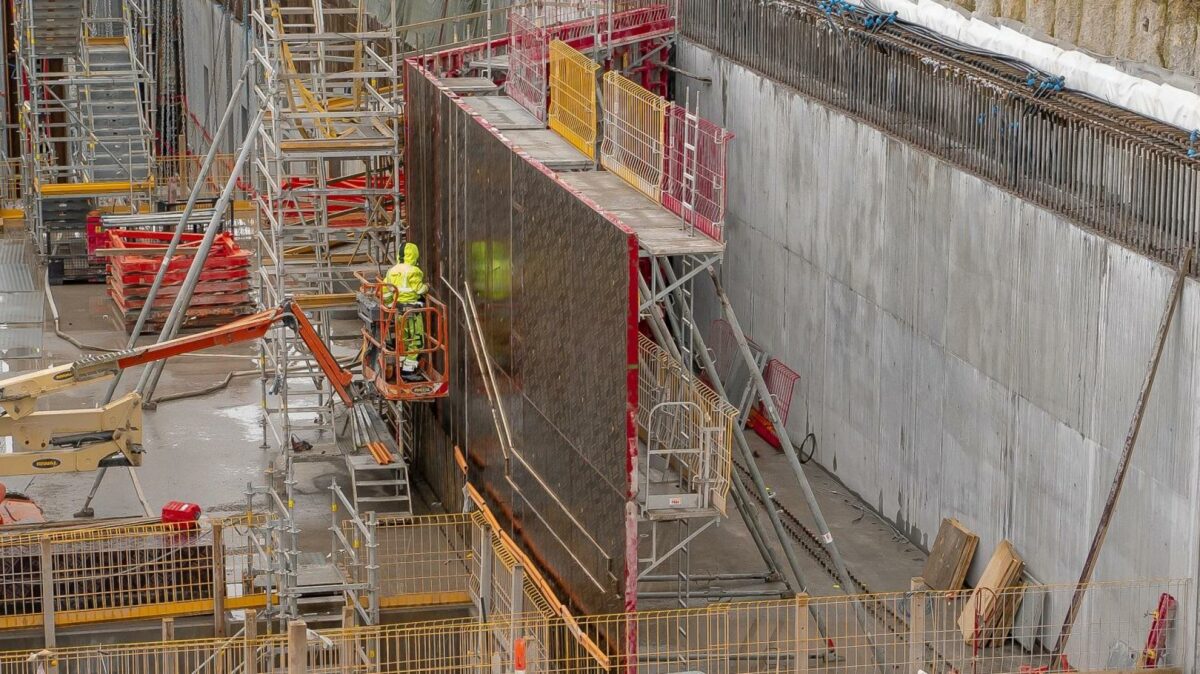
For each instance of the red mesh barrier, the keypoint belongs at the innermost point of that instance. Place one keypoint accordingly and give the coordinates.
(694, 168)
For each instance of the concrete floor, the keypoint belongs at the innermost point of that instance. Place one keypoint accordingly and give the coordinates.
(872, 549)
(203, 450)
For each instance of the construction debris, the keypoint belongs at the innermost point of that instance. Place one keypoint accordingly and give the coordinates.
(950, 557)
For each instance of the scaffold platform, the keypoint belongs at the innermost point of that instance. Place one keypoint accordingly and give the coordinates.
(503, 113)
(660, 233)
(549, 149)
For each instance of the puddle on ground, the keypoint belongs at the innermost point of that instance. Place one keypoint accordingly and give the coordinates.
(247, 417)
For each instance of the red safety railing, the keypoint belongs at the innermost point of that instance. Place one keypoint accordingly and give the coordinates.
(528, 54)
(694, 170)
(781, 382)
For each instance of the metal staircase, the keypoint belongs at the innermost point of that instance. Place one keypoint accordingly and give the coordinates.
(382, 488)
(117, 140)
(86, 110)
(376, 486)
(56, 26)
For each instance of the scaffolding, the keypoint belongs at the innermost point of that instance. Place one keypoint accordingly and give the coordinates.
(87, 112)
(326, 187)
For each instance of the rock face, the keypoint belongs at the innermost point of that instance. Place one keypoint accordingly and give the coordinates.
(1163, 33)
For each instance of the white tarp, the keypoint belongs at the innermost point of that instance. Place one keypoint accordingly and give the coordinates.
(1163, 102)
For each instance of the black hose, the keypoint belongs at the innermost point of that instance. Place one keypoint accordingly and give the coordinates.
(805, 458)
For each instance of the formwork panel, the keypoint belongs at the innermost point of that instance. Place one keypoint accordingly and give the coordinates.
(552, 281)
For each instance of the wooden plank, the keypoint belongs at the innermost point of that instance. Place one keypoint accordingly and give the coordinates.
(950, 557)
(981, 609)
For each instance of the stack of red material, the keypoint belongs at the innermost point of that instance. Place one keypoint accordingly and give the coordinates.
(222, 294)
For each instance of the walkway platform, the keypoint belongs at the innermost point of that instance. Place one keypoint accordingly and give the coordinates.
(550, 149)
(660, 233)
(502, 112)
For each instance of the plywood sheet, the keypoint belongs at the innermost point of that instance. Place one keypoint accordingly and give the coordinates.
(983, 609)
(946, 568)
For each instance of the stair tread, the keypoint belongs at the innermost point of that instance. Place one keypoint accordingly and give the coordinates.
(381, 482)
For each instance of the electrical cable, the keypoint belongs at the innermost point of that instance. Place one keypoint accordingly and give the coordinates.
(64, 336)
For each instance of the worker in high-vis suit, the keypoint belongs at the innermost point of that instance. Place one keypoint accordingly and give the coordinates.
(408, 282)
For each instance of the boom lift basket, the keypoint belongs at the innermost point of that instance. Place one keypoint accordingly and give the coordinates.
(385, 348)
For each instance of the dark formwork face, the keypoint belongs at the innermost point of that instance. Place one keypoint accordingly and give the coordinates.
(552, 282)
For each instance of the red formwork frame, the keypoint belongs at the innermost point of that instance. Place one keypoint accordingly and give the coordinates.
(627, 27)
(695, 164)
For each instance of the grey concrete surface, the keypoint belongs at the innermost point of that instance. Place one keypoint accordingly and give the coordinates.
(962, 353)
(202, 450)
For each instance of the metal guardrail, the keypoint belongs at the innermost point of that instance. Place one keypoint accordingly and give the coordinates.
(634, 126)
(527, 47)
(98, 574)
(455, 559)
(573, 97)
(765, 637)
(1122, 174)
(354, 551)
(687, 426)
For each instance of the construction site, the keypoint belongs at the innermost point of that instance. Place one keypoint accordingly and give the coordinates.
(599, 336)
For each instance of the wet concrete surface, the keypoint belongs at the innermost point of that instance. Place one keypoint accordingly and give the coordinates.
(202, 450)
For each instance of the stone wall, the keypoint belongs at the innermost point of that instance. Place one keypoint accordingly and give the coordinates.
(1162, 33)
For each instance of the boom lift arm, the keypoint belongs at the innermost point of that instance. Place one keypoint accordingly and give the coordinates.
(62, 441)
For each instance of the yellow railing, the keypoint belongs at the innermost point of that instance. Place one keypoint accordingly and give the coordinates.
(176, 174)
(424, 561)
(634, 124)
(96, 574)
(10, 184)
(453, 559)
(690, 414)
(573, 97)
(901, 633)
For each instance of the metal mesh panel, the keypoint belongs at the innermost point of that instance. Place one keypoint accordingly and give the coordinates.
(633, 134)
(527, 64)
(781, 382)
(703, 420)
(694, 171)
(1126, 176)
(551, 280)
(573, 97)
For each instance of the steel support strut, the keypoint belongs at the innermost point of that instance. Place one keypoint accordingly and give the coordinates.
(848, 584)
(785, 541)
(740, 497)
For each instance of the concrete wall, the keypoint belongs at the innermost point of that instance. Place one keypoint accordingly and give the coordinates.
(213, 44)
(962, 353)
(1162, 33)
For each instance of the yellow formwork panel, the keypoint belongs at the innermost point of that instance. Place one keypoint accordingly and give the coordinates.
(634, 128)
(573, 97)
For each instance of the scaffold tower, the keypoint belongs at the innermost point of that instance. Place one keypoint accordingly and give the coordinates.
(326, 185)
(87, 105)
